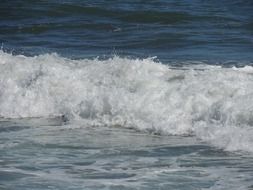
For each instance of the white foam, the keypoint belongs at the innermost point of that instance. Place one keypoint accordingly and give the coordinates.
(213, 103)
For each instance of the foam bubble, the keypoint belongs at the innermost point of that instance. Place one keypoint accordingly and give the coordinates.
(213, 103)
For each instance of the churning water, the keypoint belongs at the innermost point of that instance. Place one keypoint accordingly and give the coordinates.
(85, 104)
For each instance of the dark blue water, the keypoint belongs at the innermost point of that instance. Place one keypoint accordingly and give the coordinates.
(171, 30)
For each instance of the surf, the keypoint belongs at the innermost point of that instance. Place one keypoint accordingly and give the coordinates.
(210, 102)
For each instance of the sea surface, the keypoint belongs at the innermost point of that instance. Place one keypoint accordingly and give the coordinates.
(114, 95)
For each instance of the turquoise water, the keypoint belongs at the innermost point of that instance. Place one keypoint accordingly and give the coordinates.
(126, 95)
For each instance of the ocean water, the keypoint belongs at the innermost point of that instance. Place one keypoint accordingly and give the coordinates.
(126, 94)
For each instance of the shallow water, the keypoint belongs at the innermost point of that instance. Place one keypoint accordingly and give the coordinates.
(39, 156)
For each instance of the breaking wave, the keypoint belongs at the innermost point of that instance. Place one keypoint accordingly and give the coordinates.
(210, 102)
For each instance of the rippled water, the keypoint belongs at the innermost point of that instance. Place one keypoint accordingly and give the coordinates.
(196, 30)
(126, 95)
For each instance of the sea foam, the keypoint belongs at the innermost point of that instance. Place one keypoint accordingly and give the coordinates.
(210, 102)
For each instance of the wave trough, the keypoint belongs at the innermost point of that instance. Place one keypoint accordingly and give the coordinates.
(213, 103)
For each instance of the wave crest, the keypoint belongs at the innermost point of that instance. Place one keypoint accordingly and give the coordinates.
(213, 103)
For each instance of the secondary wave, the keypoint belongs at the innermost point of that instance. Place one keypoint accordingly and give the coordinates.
(213, 103)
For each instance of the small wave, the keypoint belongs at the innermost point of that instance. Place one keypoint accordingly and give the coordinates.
(156, 17)
(129, 16)
(213, 103)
